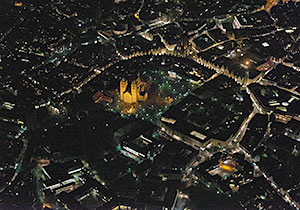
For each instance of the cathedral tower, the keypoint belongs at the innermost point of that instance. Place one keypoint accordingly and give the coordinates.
(134, 91)
(123, 86)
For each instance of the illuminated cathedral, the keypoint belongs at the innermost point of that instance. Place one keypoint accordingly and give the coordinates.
(135, 91)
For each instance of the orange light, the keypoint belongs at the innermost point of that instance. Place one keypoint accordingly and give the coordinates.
(136, 15)
(226, 167)
(47, 205)
(18, 4)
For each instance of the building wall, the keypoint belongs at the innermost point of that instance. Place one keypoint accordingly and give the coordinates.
(123, 86)
(134, 92)
(127, 98)
(142, 98)
(134, 96)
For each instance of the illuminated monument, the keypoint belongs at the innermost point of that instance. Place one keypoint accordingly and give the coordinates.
(135, 91)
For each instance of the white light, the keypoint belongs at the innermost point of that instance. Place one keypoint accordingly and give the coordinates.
(265, 44)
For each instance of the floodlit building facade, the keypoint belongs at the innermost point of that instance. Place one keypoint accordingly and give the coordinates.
(135, 91)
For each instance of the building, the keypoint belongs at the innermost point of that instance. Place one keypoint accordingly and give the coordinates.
(242, 22)
(120, 28)
(135, 91)
(193, 120)
(271, 99)
(141, 148)
(98, 96)
(62, 177)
